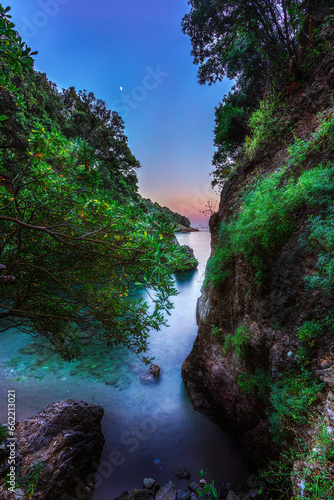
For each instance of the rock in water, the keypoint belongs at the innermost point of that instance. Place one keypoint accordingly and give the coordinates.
(182, 474)
(65, 442)
(232, 496)
(183, 495)
(152, 375)
(156, 371)
(136, 495)
(189, 254)
(167, 492)
(149, 483)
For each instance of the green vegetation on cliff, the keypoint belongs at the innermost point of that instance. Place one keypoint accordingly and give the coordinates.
(274, 138)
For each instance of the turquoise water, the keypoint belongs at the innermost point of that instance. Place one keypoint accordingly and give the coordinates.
(150, 430)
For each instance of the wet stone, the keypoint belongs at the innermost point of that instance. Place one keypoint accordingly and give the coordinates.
(194, 487)
(183, 495)
(149, 483)
(182, 474)
(155, 370)
(167, 492)
(232, 496)
(226, 487)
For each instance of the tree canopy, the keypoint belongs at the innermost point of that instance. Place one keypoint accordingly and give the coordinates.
(262, 45)
(74, 241)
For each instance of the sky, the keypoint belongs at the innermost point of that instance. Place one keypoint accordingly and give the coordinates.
(134, 55)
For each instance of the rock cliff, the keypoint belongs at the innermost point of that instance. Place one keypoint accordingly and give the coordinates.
(278, 311)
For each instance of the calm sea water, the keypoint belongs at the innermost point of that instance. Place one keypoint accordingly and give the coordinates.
(150, 430)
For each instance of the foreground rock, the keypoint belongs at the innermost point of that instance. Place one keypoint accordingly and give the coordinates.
(195, 491)
(62, 447)
(136, 495)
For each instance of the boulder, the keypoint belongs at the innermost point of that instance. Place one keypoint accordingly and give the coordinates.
(62, 444)
(182, 474)
(183, 495)
(194, 487)
(136, 495)
(167, 492)
(232, 496)
(150, 484)
(152, 375)
(156, 371)
(189, 254)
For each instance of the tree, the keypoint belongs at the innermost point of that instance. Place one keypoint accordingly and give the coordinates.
(260, 44)
(76, 254)
(90, 119)
(245, 38)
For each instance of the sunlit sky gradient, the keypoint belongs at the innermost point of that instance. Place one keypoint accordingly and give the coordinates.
(104, 45)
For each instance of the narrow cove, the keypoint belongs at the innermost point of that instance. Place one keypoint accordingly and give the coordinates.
(152, 429)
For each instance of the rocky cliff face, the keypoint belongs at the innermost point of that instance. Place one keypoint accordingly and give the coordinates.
(271, 314)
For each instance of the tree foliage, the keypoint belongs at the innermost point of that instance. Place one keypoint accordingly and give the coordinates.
(90, 119)
(239, 40)
(262, 45)
(75, 252)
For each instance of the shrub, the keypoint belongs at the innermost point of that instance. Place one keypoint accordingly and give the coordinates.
(246, 382)
(315, 457)
(265, 218)
(29, 477)
(290, 398)
(3, 432)
(264, 123)
(321, 233)
(236, 342)
(309, 331)
(260, 381)
(208, 491)
(308, 334)
(217, 268)
(265, 221)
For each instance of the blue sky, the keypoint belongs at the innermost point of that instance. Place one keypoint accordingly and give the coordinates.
(104, 45)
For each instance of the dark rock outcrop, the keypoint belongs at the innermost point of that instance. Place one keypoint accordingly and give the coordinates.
(182, 474)
(190, 255)
(189, 262)
(156, 371)
(65, 442)
(136, 495)
(271, 314)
